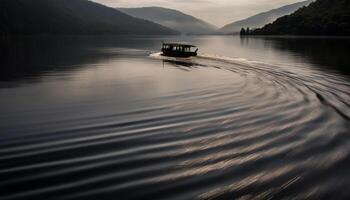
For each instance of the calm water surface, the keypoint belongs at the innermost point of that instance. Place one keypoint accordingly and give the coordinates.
(110, 118)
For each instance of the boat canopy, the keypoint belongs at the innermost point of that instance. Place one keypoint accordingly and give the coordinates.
(179, 44)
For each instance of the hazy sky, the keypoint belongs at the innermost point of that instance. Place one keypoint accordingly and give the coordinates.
(217, 12)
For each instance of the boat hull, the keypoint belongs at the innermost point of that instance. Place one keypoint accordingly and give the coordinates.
(178, 54)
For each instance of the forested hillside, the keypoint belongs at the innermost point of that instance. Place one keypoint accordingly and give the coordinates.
(30, 17)
(323, 17)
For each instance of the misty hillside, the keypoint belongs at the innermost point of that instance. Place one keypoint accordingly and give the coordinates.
(70, 17)
(173, 19)
(323, 17)
(261, 19)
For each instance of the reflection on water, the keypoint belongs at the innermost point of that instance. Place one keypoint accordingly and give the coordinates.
(331, 53)
(249, 118)
(23, 57)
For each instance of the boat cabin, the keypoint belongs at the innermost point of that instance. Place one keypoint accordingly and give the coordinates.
(178, 50)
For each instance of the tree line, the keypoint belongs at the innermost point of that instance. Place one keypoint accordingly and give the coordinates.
(322, 17)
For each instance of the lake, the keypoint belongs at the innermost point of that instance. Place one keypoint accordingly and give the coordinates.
(110, 118)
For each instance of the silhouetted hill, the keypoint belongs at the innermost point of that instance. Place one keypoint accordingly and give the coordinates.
(70, 17)
(173, 19)
(323, 17)
(261, 19)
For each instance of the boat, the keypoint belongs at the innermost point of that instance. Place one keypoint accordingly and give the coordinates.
(178, 50)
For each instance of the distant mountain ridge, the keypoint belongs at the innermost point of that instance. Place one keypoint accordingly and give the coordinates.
(30, 17)
(322, 17)
(171, 18)
(261, 19)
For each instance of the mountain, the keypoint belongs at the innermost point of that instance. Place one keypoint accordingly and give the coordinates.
(173, 19)
(261, 19)
(323, 17)
(29, 17)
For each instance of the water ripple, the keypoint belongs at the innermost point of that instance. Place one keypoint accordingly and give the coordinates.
(263, 134)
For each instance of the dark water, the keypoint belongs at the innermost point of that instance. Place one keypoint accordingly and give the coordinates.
(250, 118)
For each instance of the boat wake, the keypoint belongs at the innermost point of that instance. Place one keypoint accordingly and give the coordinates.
(325, 87)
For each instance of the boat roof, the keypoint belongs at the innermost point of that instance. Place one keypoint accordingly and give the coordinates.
(183, 44)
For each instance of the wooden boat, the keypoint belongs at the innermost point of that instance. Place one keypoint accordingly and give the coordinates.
(178, 50)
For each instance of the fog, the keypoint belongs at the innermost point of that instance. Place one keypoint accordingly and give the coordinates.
(217, 12)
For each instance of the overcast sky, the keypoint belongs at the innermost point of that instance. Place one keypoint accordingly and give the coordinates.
(217, 12)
